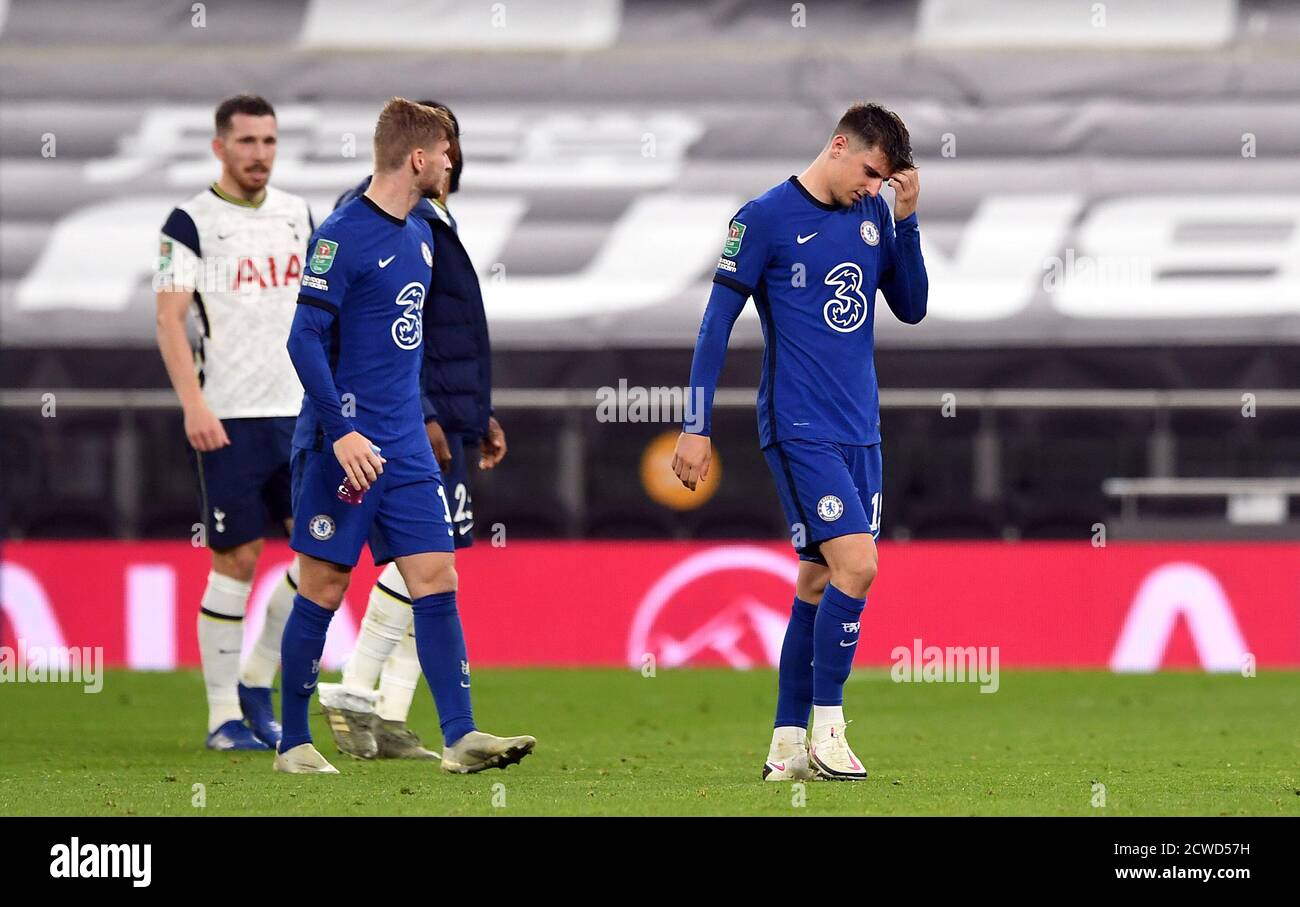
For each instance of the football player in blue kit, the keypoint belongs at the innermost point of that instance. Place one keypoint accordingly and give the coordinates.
(812, 252)
(458, 416)
(363, 469)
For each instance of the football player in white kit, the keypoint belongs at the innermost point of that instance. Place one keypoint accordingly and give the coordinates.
(233, 254)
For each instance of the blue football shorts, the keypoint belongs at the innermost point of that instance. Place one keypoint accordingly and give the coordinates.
(456, 480)
(404, 512)
(827, 489)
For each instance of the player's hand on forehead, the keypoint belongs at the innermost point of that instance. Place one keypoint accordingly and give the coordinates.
(903, 178)
(907, 186)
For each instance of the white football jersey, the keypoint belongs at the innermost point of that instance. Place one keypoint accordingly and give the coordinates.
(244, 265)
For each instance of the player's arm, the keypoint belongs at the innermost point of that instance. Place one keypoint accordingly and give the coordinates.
(492, 448)
(203, 429)
(694, 452)
(312, 324)
(904, 281)
(437, 437)
(175, 281)
(319, 300)
(432, 427)
(744, 256)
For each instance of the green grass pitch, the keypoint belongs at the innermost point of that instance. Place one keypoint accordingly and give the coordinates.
(690, 742)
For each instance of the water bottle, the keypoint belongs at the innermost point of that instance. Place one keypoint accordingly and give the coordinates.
(349, 495)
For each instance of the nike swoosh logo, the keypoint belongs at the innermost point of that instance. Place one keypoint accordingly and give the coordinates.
(385, 262)
(846, 645)
(464, 684)
(779, 766)
(227, 651)
(225, 235)
(309, 686)
(803, 239)
(466, 528)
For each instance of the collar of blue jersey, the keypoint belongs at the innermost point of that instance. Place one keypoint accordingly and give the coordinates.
(825, 206)
(381, 212)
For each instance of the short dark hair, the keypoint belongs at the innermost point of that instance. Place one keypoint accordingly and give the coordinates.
(443, 107)
(459, 164)
(879, 127)
(252, 104)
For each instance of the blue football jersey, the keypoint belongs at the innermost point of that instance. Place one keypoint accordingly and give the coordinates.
(373, 271)
(813, 270)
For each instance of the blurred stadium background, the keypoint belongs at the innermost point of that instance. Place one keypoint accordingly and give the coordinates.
(1110, 215)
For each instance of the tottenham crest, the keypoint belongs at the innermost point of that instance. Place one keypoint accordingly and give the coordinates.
(830, 508)
(321, 527)
(870, 233)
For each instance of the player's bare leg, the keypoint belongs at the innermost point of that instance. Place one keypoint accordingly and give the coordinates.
(440, 644)
(221, 638)
(787, 755)
(320, 593)
(852, 562)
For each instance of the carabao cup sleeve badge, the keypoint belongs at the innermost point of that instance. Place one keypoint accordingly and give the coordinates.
(322, 257)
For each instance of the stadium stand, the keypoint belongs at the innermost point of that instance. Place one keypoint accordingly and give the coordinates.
(597, 185)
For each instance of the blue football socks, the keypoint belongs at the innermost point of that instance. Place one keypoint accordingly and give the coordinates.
(301, 647)
(794, 685)
(440, 645)
(835, 640)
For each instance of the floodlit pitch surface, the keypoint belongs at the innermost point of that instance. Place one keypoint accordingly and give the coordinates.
(690, 742)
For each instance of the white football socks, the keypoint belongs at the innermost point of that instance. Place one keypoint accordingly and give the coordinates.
(398, 682)
(824, 716)
(787, 736)
(385, 625)
(221, 636)
(261, 664)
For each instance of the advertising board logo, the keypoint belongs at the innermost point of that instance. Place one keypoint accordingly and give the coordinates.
(725, 606)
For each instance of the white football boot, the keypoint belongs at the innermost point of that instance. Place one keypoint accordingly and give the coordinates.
(303, 759)
(351, 718)
(397, 741)
(830, 757)
(787, 757)
(477, 751)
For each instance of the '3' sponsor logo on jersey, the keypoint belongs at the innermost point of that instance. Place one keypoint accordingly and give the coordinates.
(847, 311)
(408, 328)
